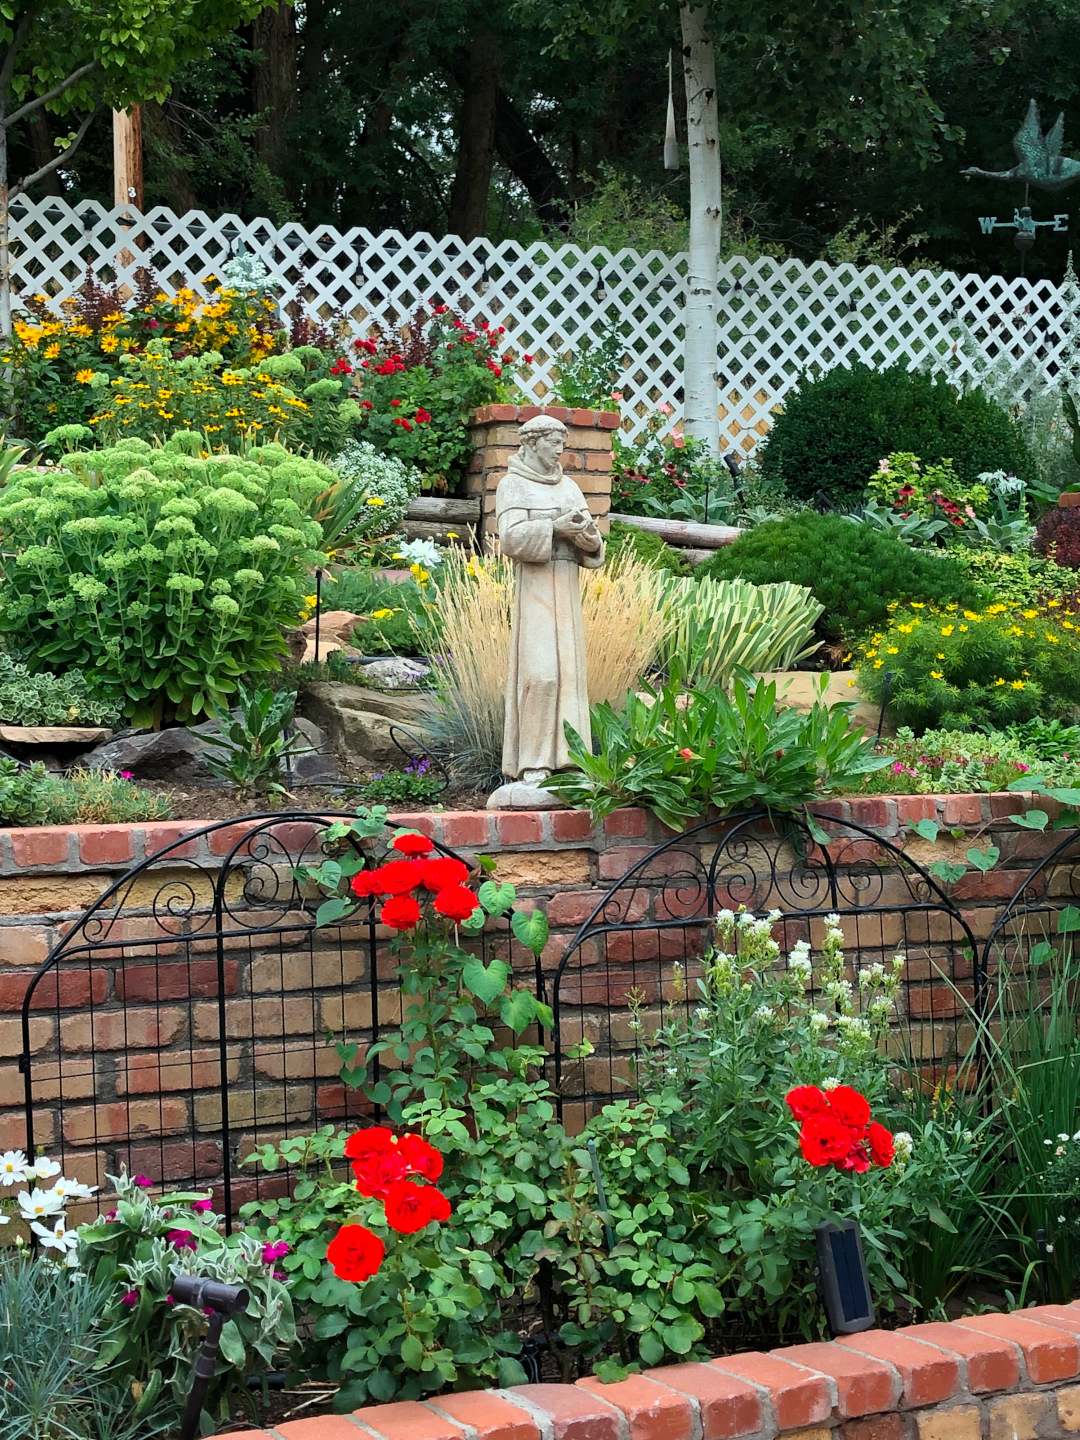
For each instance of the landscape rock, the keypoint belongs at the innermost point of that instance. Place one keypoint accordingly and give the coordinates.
(179, 755)
(394, 672)
(358, 720)
(335, 631)
(319, 766)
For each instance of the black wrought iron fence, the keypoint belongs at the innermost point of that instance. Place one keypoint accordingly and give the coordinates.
(190, 1015)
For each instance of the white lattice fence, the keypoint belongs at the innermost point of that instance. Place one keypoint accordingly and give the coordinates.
(776, 317)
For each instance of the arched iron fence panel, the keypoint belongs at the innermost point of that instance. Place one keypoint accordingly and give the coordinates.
(191, 1013)
(649, 932)
(1034, 937)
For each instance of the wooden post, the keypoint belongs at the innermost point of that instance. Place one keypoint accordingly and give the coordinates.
(127, 157)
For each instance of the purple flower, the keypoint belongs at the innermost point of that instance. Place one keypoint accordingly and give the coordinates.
(143, 1181)
(1023, 768)
(273, 1252)
(130, 1298)
(170, 1299)
(110, 1215)
(127, 775)
(182, 1240)
(202, 1206)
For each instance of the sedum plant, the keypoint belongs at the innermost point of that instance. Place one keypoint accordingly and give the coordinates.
(721, 626)
(164, 575)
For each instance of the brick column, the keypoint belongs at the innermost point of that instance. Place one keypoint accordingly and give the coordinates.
(586, 459)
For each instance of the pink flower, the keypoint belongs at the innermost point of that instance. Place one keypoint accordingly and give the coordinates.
(969, 512)
(182, 1240)
(678, 441)
(273, 1252)
(665, 408)
(883, 467)
(127, 775)
(202, 1206)
(130, 1298)
(898, 768)
(143, 1181)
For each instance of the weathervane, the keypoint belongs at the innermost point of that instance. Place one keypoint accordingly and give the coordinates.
(1040, 164)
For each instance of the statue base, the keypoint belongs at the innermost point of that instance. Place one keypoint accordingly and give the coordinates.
(516, 795)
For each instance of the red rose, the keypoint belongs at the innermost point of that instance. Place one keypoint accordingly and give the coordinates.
(395, 402)
(355, 1253)
(823, 1140)
(443, 872)
(401, 912)
(398, 877)
(412, 844)
(856, 1159)
(456, 902)
(882, 1146)
(421, 1158)
(422, 416)
(365, 404)
(377, 1171)
(410, 1207)
(372, 1140)
(365, 884)
(850, 1108)
(806, 1100)
(440, 1206)
(527, 359)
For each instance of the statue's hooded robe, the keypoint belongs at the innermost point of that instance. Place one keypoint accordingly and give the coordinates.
(547, 686)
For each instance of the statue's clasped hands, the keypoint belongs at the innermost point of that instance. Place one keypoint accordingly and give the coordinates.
(579, 528)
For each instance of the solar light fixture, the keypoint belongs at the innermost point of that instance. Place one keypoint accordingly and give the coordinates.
(842, 1280)
(222, 1301)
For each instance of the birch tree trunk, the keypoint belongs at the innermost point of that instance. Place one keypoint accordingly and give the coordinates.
(700, 418)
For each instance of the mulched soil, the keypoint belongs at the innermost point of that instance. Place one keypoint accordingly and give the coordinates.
(221, 802)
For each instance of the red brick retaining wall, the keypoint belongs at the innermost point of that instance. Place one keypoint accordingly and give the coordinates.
(991, 1377)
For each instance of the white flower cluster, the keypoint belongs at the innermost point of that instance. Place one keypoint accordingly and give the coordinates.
(424, 553)
(387, 485)
(44, 1210)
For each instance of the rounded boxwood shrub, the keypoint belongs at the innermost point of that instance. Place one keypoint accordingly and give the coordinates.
(854, 570)
(628, 540)
(835, 429)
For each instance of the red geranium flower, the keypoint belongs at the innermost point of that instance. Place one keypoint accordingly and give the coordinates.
(410, 1207)
(365, 404)
(456, 902)
(444, 872)
(422, 416)
(341, 367)
(401, 912)
(850, 1108)
(394, 402)
(378, 1170)
(412, 845)
(355, 1253)
(372, 1140)
(365, 884)
(823, 1140)
(882, 1146)
(806, 1100)
(398, 877)
(421, 1158)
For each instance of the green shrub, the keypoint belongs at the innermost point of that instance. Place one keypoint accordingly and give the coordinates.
(417, 784)
(835, 429)
(1015, 579)
(163, 577)
(953, 668)
(855, 571)
(396, 614)
(31, 796)
(627, 540)
(47, 699)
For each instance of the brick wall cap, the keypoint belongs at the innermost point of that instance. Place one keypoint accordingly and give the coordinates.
(864, 1385)
(401, 1420)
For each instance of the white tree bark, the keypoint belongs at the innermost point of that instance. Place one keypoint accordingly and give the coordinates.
(700, 417)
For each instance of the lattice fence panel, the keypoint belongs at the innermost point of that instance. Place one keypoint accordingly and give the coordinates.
(776, 317)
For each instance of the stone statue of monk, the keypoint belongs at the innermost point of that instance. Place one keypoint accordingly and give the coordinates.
(546, 529)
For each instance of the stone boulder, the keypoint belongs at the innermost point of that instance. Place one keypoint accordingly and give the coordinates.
(179, 755)
(358, 720)
(335, 630)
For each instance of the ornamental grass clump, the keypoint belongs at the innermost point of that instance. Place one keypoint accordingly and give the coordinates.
(953, 668)
(164, 577)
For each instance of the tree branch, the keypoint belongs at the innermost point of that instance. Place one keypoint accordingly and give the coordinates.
(53, 164)
(38, 101)
(8, 67)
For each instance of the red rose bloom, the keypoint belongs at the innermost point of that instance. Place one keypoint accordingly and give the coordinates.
(398, 877)
(440, 1206)
(365, 884)
(410, 1207)
(444, 872)
(823, 1140)
(881, 1144)
(850, 1108)
(401, 912)
(806, 1100)
(372, 1140)
(355, 1253)
(422, 416)
(412, 845)
(421, 1158)
(456, 902)
(376, 1172)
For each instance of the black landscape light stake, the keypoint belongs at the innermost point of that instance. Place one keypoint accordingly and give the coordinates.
(222, 1301)
(318, 608)
(842, 1280)
(884, 702)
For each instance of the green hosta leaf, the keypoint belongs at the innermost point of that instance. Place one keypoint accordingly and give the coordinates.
(531, 928)
(927, 829)
(496, 899)
(486, 982)
(984, 860)
(1033, 820)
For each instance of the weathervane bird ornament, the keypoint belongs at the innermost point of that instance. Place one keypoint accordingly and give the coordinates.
(1040, 161)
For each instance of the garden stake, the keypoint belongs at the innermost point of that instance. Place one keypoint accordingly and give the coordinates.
(590, 1145)
(318, 608)
(884, 702)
